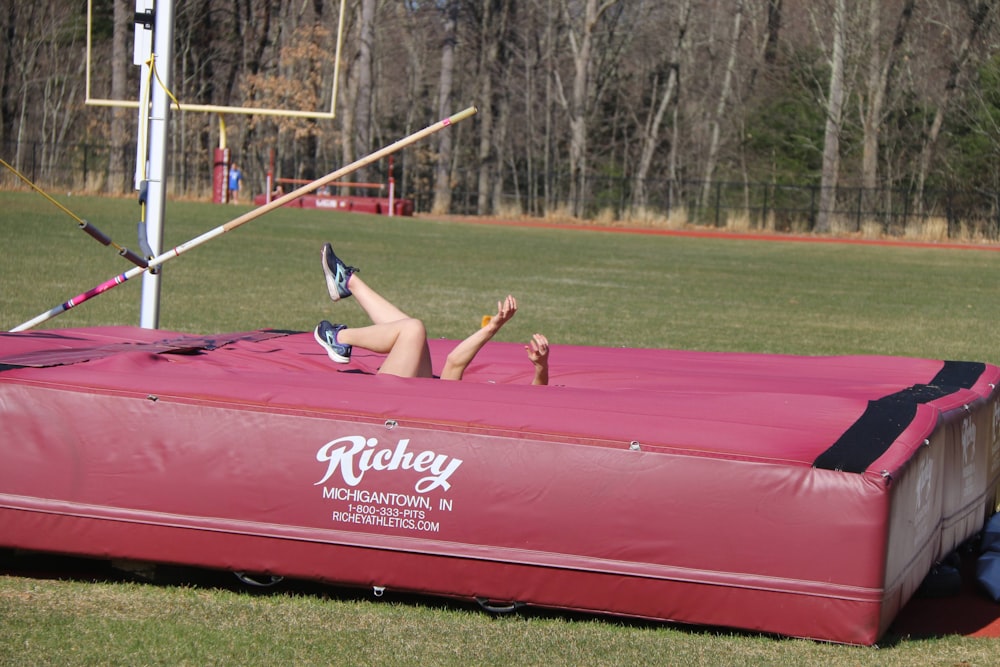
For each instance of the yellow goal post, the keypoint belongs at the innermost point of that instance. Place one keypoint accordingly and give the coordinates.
(221, 109)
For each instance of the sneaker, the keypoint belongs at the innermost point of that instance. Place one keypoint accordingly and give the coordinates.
(326, 335)
(337, 274)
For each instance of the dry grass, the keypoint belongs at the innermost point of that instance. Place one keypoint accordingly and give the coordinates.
(931, 229)
(654, 219)
(509, 210)
(739, 223)
(560, 213)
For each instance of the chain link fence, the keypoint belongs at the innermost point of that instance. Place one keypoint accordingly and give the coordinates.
(782, 207)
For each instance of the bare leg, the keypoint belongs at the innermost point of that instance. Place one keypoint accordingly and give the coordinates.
(400, 337)
(404, 342)
(379, 308)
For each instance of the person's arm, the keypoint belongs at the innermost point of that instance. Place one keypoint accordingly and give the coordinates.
(463, 354)
(538, 353)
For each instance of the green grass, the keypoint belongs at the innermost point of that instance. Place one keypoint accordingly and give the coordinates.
(84, 623)
(578, 287)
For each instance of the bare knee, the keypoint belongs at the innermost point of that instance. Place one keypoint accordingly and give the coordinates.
(412, 329)
(411, 343)
(409, 356)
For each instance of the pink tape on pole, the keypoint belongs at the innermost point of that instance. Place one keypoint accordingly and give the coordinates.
(100, 289)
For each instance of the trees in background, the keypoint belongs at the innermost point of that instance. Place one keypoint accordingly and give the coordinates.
(583, 103)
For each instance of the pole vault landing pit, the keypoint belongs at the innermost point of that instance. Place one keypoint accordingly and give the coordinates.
(803, 496)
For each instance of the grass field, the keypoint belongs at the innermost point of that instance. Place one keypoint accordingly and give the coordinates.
(576, 286)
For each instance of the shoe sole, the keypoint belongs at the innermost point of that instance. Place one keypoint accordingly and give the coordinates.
(331, 272)
(331, 287)
(339, 358)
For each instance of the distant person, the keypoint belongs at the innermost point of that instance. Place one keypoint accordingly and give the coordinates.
(235, 178)
(402, 338)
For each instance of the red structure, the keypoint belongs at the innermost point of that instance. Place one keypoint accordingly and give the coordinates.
(380, 205)
(805, 496)
(349, 204)
(220, 176)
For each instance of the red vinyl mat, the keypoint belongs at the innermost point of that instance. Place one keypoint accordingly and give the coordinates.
(804, 496)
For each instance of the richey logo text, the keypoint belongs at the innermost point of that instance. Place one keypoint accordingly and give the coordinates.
(355, 455)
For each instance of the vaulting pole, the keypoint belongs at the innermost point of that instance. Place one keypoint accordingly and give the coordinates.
(247, 217)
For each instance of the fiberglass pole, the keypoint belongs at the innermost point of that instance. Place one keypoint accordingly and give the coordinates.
(253, 214)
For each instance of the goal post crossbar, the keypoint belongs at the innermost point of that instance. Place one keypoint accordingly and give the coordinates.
(214, 108)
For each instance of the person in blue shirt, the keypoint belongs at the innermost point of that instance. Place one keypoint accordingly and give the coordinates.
(235, 178)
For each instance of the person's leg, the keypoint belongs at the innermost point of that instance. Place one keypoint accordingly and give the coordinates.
(404, 342)
(378, 308)
(342, 282)
(400, 337)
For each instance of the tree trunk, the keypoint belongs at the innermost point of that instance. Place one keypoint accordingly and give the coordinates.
(720, 109)
(489, 35)
(773, 29)
(651, 129)
(579, 102)
(26, 71)
(363, 101)
(347, 89)
(442, 171)
(500, 142)
(494, 33)
(880, 70)
(834, 116)
(977, 17)
(577, 105)
(117, 179)
(8, 56)
(549, 189)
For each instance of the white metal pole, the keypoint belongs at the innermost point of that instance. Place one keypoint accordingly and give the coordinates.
(140, 57)
(163, 33)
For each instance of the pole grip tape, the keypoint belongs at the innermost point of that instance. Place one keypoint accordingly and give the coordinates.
(136, 259)
(95, 232)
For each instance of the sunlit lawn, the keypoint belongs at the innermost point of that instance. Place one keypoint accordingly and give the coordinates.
(578, 287)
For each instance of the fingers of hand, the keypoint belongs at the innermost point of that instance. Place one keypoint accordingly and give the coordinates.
(539, 345)
(506, 308)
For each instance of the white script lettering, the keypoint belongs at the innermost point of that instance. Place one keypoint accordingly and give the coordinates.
(356, 455)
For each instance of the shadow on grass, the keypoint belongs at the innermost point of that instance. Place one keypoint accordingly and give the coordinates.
(57, 567)
(967, 612)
